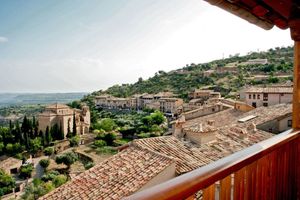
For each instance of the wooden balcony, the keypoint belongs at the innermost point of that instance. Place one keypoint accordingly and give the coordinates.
(267, 170)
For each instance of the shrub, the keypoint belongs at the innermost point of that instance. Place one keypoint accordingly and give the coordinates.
(89, 165)
(74, 141)
(109, 138)
(100, 136)
(26, 170)
(154, 134)
(7, 183)
(49, 176)
(143, 135)
(66, 158)
(106, 150)
(59, 180)
(119, 142)
(106, 124)
(99, 143)
(48, 151)
(44, 163)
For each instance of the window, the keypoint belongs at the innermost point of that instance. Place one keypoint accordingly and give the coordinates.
(14, 170)
(265, 97)
(254, 104)
(258, 96)
(289, 123)
(249, 96)
(270, 130)
(254, 96)
(265, 104)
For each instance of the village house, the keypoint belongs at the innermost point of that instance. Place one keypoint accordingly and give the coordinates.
(163, 101)
(10, 165)
(203, 94)
(266, 96)
(107, 101)
(63, 116)
(151, 161)
(171, 106)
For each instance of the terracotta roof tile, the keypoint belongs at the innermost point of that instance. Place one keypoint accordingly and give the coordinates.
(118, 176)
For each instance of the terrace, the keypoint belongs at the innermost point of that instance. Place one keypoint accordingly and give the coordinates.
(267, 170)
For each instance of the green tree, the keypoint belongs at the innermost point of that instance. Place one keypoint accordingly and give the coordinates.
(25, 171)
(61, 132)
(48, 136)
(67, 159)
(9, 148)
(48, 151)
(55, 132)
(157, 117)
(1, 148)
(106, 124)
(99, 143)
(109, 138)
(35, 145)
(18, 133)
(7, 183)
(59, 180)
(44, 163)
(74, 141)
(74, 125)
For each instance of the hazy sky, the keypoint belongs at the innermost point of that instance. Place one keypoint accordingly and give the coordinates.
(87, 45)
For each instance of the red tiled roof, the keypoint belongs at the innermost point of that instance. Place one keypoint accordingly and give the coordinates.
(186, 158)
(117, 177)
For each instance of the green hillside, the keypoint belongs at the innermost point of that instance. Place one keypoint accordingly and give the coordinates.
(278, 69)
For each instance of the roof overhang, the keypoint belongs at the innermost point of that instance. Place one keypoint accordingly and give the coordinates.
(265, 13)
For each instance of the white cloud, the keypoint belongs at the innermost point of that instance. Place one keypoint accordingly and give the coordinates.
(3, 39)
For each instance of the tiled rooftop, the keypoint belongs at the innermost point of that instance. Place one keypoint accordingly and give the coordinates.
(57, 106)
(8, 162)
(118, 176)
(129, 170)
(186, 158)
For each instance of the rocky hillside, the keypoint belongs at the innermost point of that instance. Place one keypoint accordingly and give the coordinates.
(224, 75)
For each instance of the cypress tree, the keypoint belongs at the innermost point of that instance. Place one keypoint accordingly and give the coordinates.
(48, 136)
(61, 132)
(43, 138)
(74, 124)
(18, 133)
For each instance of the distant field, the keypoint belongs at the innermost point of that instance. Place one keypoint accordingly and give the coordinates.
(10, 99)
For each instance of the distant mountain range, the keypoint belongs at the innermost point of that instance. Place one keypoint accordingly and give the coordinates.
(9, 99)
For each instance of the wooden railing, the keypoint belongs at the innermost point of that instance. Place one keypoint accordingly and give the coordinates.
(267, 170)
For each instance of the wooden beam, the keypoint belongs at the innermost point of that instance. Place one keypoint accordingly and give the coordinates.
(294, 24)
(296, 92)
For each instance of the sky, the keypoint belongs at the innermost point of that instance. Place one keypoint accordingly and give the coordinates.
(84, 46)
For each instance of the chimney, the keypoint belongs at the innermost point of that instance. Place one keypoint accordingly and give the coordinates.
(252, 127)
(211, 122)
(200, 127)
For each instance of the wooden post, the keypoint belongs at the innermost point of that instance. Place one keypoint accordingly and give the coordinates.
(294, 25)
(296, 93)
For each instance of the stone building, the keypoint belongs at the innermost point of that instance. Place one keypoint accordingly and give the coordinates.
(267, 96)
(107, 101)
(63, 116)
(10, 165)
(172, 106)
(204, 94)
(163, 101)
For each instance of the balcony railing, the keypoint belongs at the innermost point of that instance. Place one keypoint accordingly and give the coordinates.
(267, 170)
